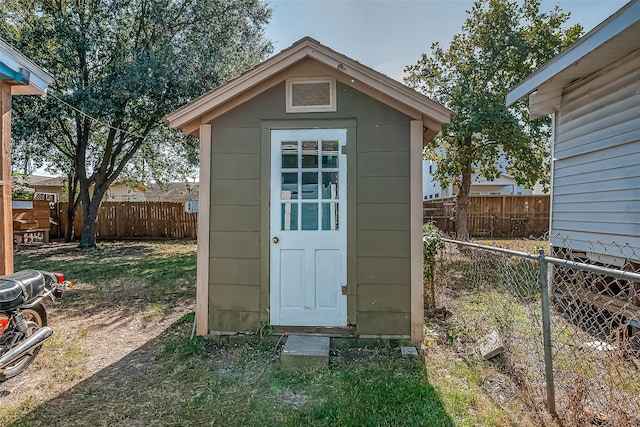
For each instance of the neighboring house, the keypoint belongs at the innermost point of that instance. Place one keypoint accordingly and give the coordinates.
(18, 76)
(505, 185)
(303, 156)
(46, 188)
(52, 189)
(170, 192)
(592, 90)
(125, 192)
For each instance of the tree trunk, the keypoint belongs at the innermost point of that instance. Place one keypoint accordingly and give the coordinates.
(71, 219)
(72, 207)
(462, 203)
(90, 207)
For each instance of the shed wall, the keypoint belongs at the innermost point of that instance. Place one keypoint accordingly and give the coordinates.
(596, 188)
(379, 303)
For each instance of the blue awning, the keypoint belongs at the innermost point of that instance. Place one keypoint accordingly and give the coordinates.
(24, 76)
(18, 76)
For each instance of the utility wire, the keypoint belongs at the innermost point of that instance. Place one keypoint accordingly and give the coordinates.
(93, 118)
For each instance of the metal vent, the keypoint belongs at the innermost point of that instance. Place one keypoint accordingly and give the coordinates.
(306, 94)
(311, 95)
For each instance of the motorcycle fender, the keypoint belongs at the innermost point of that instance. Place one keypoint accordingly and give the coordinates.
(4, 322)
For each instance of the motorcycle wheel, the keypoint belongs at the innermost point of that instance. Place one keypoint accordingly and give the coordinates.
(36, 314)
(36, 317)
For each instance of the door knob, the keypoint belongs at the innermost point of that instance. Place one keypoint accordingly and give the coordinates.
(275, 240)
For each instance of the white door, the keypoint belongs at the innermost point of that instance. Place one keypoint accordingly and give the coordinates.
(308, 227)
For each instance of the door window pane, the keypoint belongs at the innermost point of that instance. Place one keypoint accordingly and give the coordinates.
(330, 217)
(289, 154)
(309, 185)
(329, 185)
(289, 215)
(309, 216)
(329, 154)
(309, 154)
(289, 186)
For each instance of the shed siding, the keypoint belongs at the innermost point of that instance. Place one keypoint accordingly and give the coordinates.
(234, 224)
(596, 193)
(382, 301)
(383, 213)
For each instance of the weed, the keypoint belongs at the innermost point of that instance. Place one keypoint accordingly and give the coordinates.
(187, 318)
(185, 347)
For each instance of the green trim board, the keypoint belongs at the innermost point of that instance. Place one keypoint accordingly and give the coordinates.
(236, 271)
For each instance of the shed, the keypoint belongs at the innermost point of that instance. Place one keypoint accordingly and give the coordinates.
(18, 76)
(592, 91)
(311, 197)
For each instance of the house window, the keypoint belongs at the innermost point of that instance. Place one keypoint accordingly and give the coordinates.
(306, 95)
(437, 195)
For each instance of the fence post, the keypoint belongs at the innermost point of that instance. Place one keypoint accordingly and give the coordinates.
(546, 332)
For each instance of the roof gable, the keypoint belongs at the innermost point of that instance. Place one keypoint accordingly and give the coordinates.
(270, 72)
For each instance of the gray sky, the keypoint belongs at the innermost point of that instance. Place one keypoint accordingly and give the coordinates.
(388, 35)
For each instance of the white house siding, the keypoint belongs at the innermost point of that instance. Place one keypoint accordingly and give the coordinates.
(596, 193)
(431, 188)
(504, 185)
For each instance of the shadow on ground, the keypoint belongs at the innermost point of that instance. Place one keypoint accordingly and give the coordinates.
(171, 381)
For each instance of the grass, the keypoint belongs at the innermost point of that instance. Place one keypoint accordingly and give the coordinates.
(488, 292)
(244, 386)
(121, 356)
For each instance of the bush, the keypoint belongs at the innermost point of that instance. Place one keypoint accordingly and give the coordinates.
(431, 242)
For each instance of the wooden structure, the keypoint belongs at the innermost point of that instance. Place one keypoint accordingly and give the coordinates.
(136, 220)
(31, 221)
(311, 197)
(493, 216)
(18, 76)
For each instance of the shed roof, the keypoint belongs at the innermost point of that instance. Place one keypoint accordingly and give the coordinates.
(26, 77)
(613, 39)
(203, 109)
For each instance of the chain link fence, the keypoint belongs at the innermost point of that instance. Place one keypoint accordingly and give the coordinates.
(591, 373)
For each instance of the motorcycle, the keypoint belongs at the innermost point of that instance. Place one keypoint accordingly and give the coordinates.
(23, 317)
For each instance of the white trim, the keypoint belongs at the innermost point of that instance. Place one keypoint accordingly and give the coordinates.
(307, 48)
(552, 166)
(417, 278)
(307, 241)
(39, 80)
(202, 277)
(310, 108)
(619, 22)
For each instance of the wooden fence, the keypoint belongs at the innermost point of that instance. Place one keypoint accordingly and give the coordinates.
(135, 220)
(494, 216)
(489, 216)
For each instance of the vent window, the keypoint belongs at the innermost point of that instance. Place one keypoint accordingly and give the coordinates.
(311, 95)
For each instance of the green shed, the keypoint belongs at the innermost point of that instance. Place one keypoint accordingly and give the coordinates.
(311, 197)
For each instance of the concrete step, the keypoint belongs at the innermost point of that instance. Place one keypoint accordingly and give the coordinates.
(305, 352)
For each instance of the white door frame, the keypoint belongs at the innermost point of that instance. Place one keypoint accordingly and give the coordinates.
(317, 259)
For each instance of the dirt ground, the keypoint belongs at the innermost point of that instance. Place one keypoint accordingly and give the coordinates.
(107, 331)
(94, 327)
